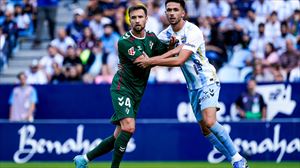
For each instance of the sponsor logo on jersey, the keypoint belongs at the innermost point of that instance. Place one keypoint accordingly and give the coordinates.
(131, 51)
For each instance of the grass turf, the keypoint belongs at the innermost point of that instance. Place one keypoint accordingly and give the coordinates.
(149, 165)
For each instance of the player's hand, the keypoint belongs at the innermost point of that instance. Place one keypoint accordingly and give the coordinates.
(172, 42)
(178, 49)
(142, 62)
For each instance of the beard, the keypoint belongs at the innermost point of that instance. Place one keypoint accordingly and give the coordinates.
(174, 21)
(138, 28)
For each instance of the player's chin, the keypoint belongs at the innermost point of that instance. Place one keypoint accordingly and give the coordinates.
(138, 28)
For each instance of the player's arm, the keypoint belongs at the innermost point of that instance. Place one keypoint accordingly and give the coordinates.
(167, 60)
(193, 42)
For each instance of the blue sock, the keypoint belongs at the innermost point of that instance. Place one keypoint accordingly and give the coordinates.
(217, 144)
(224, 138)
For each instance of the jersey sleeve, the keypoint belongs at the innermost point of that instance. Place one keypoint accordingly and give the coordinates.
(128, 49)
(160, 47)
(193, 40)
(33, 96)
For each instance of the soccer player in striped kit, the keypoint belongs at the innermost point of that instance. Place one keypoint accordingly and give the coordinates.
(202, 81)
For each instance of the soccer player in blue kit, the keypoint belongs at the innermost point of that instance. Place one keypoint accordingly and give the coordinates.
(202, 81)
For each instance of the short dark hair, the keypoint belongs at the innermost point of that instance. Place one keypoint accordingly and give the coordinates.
(181, 2)
(20, 74)
(137, 7)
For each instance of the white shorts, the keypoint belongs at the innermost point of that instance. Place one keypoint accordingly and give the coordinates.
(203, 98)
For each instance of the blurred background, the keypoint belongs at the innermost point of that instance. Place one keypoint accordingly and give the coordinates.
(58, 58)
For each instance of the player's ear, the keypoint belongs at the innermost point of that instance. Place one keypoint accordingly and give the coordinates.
(183, 14)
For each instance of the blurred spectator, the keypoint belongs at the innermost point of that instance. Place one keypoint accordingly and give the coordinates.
(241, 54)
(92, 9)
(22, 101)
(261, 74)
(196, 9)
(58, 76)
(72, 59)
(218, 9)
(205, 27)
(47, 61)
(100, 59)
(295, 73)
(290, 58)
(280, 41)
(110, 39)
(294, 23)
(88, 40)
(46, 10)
(105, 77)
(250, 24)
(243, 6)
(257, 44)
(87, 58)
(262, 9)
(62, 42)
(272, 27)
(284, 8)
(232, 29)
(271, 56)
(153, 24)
(71, 74)
(3, 50)
(278, 73)
(251, 104)
(35, 75)
(215, 49)
(97, 23)
(22, 19)
(75, 28)
(29, 7)
(10, 28)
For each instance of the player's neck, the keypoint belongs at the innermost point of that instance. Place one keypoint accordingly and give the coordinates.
(178, 26)
(139, 35)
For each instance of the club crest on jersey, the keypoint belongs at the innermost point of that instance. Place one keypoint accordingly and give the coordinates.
(131, 51)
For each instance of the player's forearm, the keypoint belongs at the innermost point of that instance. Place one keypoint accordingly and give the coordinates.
(172, 52)
(160, 61)
(168, 54)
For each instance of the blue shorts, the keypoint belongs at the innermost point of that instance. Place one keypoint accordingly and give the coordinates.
(203, 98)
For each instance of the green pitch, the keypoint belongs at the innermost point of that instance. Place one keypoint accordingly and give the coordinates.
(149, 165)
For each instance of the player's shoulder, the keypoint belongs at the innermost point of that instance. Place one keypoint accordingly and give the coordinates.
(126, 39)
(166, 33)
(191, 27)
(150, 34)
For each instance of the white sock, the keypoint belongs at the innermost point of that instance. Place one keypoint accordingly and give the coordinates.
(85, 158)
(236, 157)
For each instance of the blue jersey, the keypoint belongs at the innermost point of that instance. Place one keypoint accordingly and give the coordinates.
(197, 71)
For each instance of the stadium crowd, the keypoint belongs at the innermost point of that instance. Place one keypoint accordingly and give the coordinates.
(245, 39)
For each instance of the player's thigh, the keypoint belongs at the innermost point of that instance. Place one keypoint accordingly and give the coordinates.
(209, 103)
(209, 97)
(123, 106)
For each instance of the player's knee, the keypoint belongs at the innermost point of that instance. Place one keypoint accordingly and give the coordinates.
(129, 129)
(205, 131)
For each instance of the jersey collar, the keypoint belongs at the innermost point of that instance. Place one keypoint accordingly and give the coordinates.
(141, 38)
